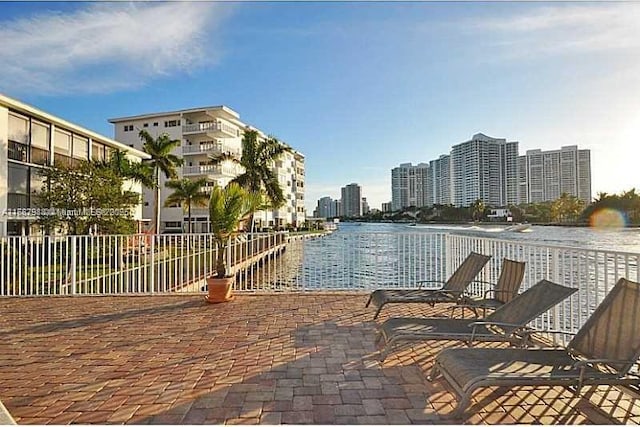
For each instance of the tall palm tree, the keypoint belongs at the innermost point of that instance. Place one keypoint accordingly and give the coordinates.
(188, 193)
(258, 158)
(161, 160)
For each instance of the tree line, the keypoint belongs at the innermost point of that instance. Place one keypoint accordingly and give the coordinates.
(566, 209)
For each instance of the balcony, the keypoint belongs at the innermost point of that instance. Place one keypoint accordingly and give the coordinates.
(210, 149)
(201, 170)
(216, 129)
(209, 170)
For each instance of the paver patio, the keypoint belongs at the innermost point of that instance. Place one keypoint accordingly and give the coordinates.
(283, 358)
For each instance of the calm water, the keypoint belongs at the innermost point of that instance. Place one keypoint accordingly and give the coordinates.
(374, 255)
(623, 240)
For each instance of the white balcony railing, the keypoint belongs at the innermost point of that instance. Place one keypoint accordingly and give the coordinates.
(210, 148)
(202, 170)
(141, 264)
(216, 127)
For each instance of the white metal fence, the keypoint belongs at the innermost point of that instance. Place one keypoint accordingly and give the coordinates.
(281, 262)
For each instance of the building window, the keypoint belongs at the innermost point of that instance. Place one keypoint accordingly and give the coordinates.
(18, 128)
(145, 125)
(128, 128)
(155, 124)
(80, 149)
(62, 148)
(17, 186)
(171, 123)
(40, 140)
(98, 152)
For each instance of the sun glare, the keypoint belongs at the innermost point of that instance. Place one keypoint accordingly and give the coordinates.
(607, 218)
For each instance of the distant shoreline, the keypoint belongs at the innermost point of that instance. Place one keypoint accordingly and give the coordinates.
(542, 224)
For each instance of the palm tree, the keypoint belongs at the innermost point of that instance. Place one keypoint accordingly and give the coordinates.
(136, 171)
(161, 160)
(258, 158)
(188, 193)
(477, 209)
(228, 206)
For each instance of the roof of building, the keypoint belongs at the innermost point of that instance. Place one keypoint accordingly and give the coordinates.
(21, 107)
(176, 112)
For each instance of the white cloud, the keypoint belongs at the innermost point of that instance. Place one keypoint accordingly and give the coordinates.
(567, 29)
(107, 47)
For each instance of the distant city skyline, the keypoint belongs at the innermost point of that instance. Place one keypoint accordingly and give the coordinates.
(359, 88)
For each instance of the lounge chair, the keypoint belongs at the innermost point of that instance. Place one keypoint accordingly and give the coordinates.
(503, 291)
(451, 291)
(507, 323)
(601, 353)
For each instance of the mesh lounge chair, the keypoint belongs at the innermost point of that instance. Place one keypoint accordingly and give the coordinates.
(507, 323)
(504, 290)
(450, 292)
(601, 353)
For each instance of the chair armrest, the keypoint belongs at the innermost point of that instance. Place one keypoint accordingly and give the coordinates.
(517, 328)
(548, 331)
(586, 362)
(489, 323)
(420, 282)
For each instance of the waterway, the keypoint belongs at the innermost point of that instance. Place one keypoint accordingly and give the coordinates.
(374, 255)
(618, 239)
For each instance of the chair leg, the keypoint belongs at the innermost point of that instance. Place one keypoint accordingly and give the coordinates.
(435, 372)
(369, 300)
(378, 310)
(462, 405)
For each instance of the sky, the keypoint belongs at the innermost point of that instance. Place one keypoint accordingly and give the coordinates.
(357, 87)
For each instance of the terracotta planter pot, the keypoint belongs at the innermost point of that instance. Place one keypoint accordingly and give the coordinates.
(220, 290)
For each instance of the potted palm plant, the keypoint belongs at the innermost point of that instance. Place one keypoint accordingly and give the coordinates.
(228, 206)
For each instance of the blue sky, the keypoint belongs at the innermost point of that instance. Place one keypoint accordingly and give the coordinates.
(357, 87)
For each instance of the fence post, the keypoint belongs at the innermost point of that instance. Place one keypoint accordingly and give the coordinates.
(555, 317)
(74, 253)
(448, 256)
(152, 258)
(230, 261)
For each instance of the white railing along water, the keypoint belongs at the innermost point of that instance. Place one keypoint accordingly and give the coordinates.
(281, 262)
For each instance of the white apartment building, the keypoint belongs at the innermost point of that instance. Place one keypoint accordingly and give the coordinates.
(351, 200)
(548, 174)
(440, 180)
(484, 168)
(204, 132)
(410, 186)
(30, 140)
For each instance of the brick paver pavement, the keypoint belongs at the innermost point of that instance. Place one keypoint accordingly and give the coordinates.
(284, 358)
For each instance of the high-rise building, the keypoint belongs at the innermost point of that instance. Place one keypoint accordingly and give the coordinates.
(551, 173)
(440, 181)
(386, 207)
(30, 140)
(523, 179)
(326, 208)
(410, 186)
(204, 132)
(485, 168)
(365, 206)
(351, 200)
